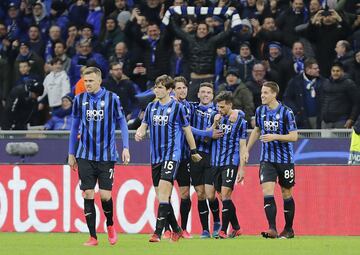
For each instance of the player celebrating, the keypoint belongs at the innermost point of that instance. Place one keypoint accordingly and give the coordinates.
(228, 159)
(96, 112)
(276, 128)
(167, 120)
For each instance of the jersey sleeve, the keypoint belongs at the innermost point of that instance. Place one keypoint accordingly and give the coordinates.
(183, 116)
(119, 112)
(243, 129)
(257, 117)
(290, 123)
(76, 107)
(147, 115)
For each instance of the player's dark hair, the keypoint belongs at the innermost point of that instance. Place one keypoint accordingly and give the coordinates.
(273, 86)
(181, 79)
(226, 96)
(90, 70)
(166, 81)
(207, 84)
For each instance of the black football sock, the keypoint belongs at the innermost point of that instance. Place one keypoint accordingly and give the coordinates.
(233, 218)
(185, 206)
(289, 212)
(172, 220)
(90, 215)
(270, 211)
(226, 211)
(162, 214)
(108, 211)
(203, 214)
(214, 207)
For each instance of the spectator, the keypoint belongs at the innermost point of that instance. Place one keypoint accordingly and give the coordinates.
(59, 16)
(111, 36)
(243, 99)
(121, 5)
(56, 85)
(95, 16)
(303, 96)
(344, 54)
(223, 55)
(21, 105)
(178, 62)
(72, 39)
(355, 69)
(36, 63)
(244, 62)
(340, 99)
(15, 24)
(85, 55)
(255, 83)
(80, 85)
(36, 42)
(54, 35)
(296, 62)
(78, 12)
(61, 119)
(5, 76)
(122, 56)
(202, 52)
(60, 52)
(40, 19)
(24, 73)
(121, 85)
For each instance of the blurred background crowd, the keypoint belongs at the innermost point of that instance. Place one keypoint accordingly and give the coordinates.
(311, 48)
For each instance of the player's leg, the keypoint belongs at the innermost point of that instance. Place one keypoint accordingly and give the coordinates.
(210, 191)
(106, 180)
(87, 176)
(268, 176)
(228, 176)
(287, 182)
(183, 180)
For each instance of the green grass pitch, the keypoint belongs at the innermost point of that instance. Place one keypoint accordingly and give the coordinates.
(70, 243)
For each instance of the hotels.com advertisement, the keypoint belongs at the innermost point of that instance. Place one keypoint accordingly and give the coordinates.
(47, 198)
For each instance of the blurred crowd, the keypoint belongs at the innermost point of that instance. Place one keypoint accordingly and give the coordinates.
(311, 48)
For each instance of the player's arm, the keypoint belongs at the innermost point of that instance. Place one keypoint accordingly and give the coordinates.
(210, 133)
(291, 137)
(72, 142)
(195, 156)
(243, 159)
(254, 136)
(125, 156)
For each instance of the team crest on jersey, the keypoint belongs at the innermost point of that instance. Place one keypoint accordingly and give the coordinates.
(102, 103)
(168, 110)
(210, 110)
(277, 116)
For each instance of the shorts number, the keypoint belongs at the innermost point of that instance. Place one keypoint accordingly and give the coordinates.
(289, 174)
(169, 165)
(111, 171)
(229, 173)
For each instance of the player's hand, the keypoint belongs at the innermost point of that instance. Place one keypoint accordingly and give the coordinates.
(196, 157)
(125, 156)
(245, 156)
(217, 133)
(240, 175)
(139, 135)
(267, 138)
(348, 123)
(217, 118)
(72, 162)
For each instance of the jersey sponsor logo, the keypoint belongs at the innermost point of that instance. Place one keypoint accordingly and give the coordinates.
(203, 114)
(270, 125)
(160, 120)
(95, 115)
(225, 128)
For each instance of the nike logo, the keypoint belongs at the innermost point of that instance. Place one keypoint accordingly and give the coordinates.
(85, 103)
(203, 212)
(286, 211)
(153, 110)
(87, 214)
(263, 116)
(227, 181)
(161, 218)
(291, 181)
(267, 205)
(167, 172)
(225, 210)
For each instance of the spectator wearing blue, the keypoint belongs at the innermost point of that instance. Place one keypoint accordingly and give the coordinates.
(82, 58)
(54, 35)
(95, 16)
(25, 54)
(14, 22)
(78, 12)
(59, 16)
(25, 73)
(39, 17)
(303, 95)
(61, 119)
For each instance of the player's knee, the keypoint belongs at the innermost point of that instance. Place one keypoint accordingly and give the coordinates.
(89, 194)
(184, 193)
(286, 193)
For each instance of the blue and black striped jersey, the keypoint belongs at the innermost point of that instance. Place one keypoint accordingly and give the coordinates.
(225, 150)
(201, 119)
(276, 121)
(165, 123)
(98, 116)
